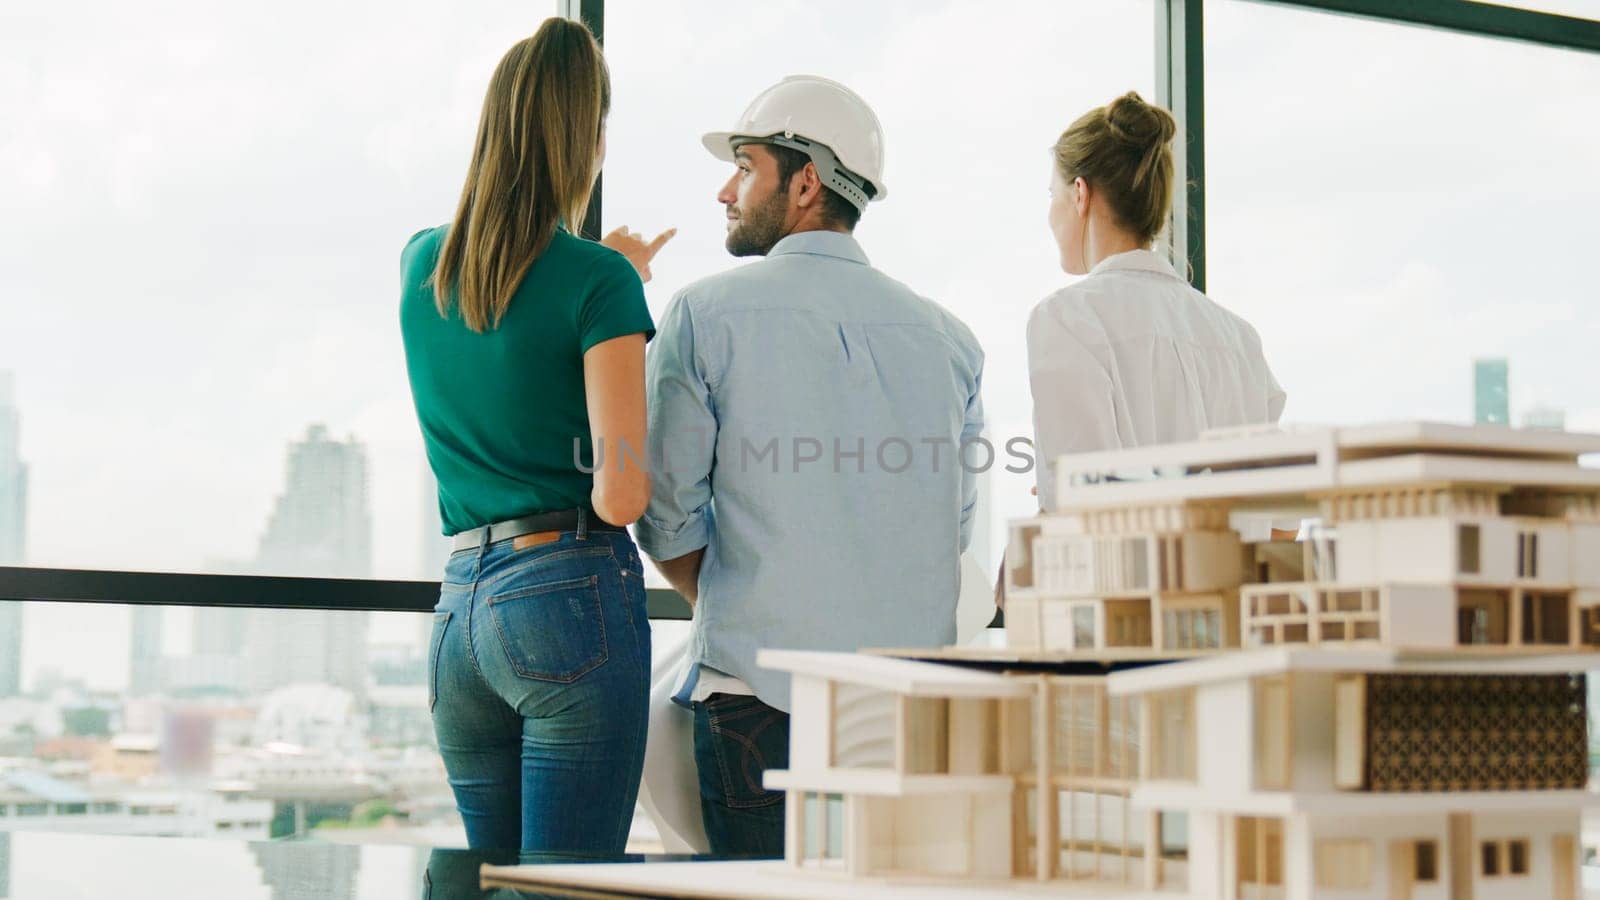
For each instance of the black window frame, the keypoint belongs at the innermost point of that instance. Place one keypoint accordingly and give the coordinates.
(1180, 61)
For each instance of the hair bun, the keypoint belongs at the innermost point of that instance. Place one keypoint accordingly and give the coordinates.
(1133, 121)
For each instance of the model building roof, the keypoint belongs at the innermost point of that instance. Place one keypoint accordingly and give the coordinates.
(900, 676)
(1242, 664)
(1264, 464)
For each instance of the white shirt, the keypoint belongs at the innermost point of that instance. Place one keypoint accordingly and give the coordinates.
(1133, 355)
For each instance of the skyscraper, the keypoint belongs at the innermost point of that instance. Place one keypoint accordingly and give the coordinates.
(13, 532)
(1491, 397)
(1544, 417)
(320, 527)
(144, 651)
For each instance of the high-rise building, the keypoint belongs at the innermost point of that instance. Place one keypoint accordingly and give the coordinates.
(321, 527)
(144, 651)
(1491, 397)
(1545, 417)
(13, 531)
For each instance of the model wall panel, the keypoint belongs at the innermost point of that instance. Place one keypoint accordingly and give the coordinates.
(1552, 553)
(1391, 836)
(811, 711)
(1211, 560)
(1311, 740)
(1056, 624)
(1417, 551)
(1585, 553)
(1356, 552)
(991, 835)
(880, 837)
(1419, 615)
(1022, 623)
(1222, 746)
(1540, 830)
(1206, 846)
(933, 834)
(1498, 552)
(1299, 881)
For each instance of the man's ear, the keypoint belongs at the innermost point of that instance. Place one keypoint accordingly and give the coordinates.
(810, 186)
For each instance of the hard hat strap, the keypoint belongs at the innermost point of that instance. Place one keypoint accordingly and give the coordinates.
(842, 181)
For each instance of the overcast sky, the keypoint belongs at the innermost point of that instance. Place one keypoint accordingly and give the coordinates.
(206, 205)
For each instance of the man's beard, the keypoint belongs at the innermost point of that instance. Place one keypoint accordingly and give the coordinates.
(756, 230)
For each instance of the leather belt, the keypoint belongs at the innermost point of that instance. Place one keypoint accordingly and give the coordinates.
(579, 520)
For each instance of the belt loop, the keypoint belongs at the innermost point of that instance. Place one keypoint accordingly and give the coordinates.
(583, 524)
(483, 543)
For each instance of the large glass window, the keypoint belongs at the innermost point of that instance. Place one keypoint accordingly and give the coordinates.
(971, 96)
(1405, 214)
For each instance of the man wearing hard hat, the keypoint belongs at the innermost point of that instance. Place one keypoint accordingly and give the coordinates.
(808, 417)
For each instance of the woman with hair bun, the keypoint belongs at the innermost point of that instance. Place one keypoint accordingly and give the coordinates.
(1131, 354)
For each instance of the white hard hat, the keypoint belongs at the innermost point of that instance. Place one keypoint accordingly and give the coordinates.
(804, 111)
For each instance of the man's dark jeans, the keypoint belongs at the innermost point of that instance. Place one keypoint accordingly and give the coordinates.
(736, 739)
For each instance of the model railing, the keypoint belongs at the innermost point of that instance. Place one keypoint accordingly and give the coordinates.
(1306, 613)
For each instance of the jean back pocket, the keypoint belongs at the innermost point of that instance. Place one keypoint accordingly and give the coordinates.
(441, 621)
(554, 631)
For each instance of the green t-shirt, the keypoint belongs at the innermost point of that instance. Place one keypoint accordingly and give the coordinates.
(500, 411)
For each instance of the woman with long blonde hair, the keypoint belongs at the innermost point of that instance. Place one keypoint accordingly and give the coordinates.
(525, 351)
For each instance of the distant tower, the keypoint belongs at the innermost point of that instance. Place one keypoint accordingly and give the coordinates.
(321, 527)
(144, 651)
(1491, 400)
(1545, 417)
(13, 532)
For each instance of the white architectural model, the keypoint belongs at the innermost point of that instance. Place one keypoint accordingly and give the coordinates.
(1393, 706)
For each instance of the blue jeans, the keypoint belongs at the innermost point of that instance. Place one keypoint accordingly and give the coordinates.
(539, 685)
(736, 740)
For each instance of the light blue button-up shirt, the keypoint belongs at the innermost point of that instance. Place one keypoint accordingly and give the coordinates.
(806, 416)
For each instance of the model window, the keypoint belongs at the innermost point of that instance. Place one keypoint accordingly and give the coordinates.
(1517, 857)
(1528, 555)
(1426, 864)
(1467, 539)
(1083, 627)
(1505, 857)
(1172, 750)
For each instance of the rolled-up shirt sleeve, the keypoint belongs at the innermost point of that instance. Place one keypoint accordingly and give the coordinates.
(682, 438)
